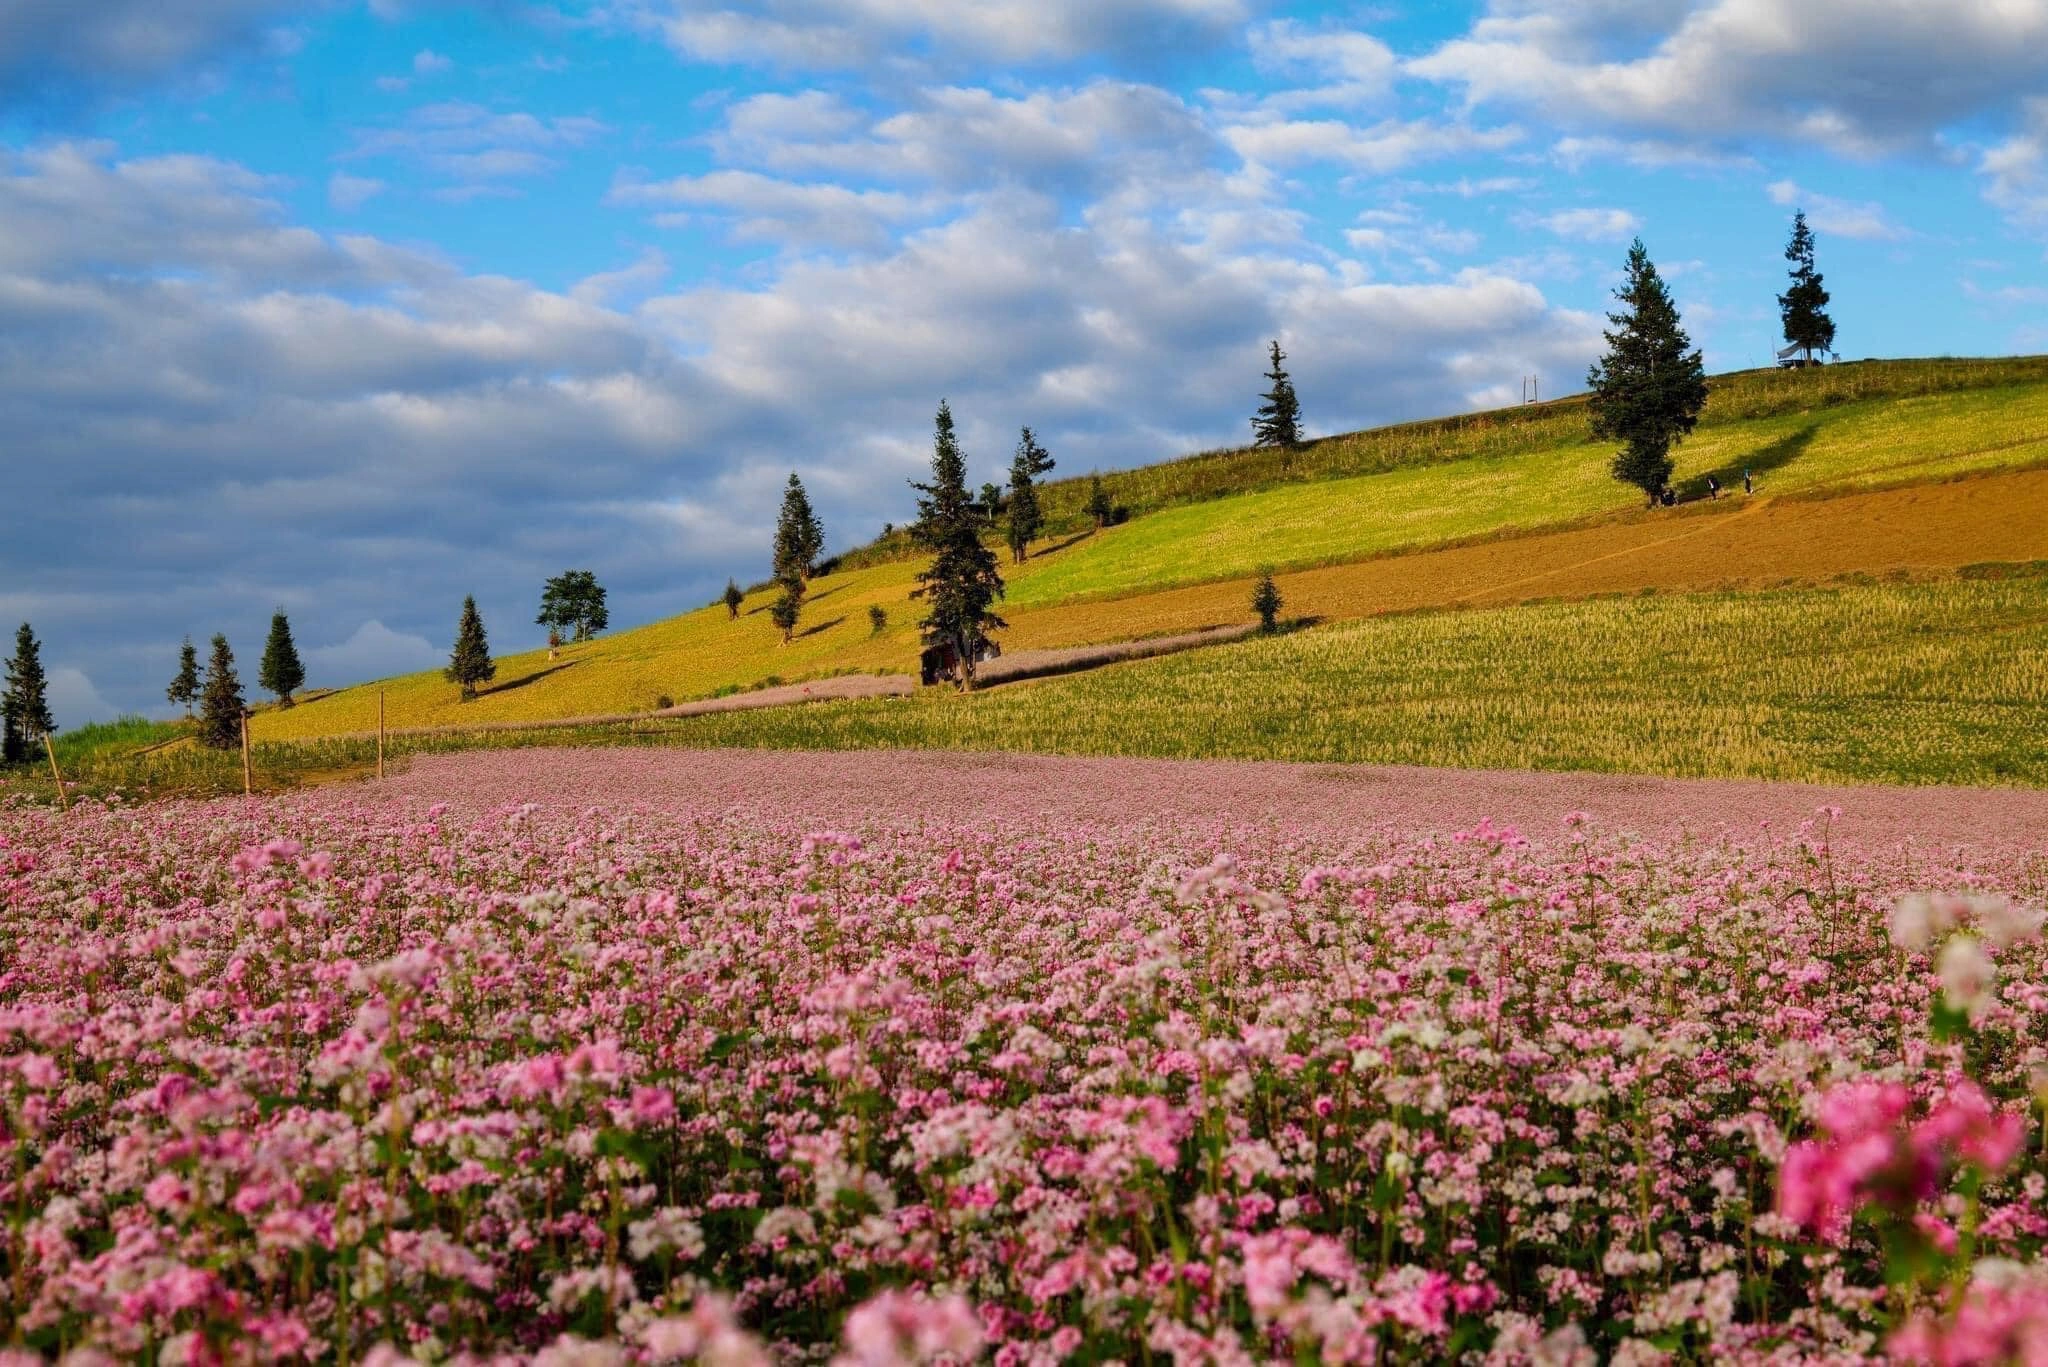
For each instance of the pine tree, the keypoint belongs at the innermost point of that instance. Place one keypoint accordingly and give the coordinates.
(733, 599)
(25, 706)
(1278, 422)
(1099, 506)
(1649, 388)
(185, 687)
(280, 671)
(1803, 307)
(470, 663)
(788, 608)
(799, 536)
(1027, 516)
(221, 705)
(962, 583)
(1266, 600)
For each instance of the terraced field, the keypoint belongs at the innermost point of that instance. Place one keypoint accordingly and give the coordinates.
(1918, 683)
(1533, 515)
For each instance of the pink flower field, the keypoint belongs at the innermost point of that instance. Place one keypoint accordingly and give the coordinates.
(355, 1076)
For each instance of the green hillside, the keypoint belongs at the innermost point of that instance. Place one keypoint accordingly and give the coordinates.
(1806, 433)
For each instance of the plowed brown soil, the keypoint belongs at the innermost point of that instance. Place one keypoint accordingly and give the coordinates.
(1746, 543)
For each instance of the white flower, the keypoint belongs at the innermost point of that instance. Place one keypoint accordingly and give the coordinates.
(1919, 918)
(1967, 976)
(2004, 923)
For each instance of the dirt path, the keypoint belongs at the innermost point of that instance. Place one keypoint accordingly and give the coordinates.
(1033, 664)
(1035, 792)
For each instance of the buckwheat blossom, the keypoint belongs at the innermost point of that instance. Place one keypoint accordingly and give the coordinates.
(547, 1074)
(1968, 976)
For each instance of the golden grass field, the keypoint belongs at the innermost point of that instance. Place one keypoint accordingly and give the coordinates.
(1765, 542)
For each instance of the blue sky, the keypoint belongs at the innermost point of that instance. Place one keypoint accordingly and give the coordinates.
(355, 308)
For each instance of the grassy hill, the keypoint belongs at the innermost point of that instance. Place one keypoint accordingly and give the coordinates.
(1478, 479)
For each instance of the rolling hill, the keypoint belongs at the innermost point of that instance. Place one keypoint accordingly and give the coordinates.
(1874, 467)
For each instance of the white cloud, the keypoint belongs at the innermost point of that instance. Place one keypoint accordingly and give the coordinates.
(1385, 146)
(850, 33)
(476, 147)
(349, 193)
(1351, 68)
(427, 62)
(1838, 216)
(2015, 171)
(1592, 225)
(372, 651)
(74, 701)
(1856, 76)
(122, 43)
(778, 210)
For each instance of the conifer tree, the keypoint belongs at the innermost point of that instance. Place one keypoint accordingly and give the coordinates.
(1027, 516)
(1278, 421)
(1649, 388)
(25, 707)
(788, 608)
(184, 688)
(1266, 600)
(470, 663)
(1803, 307)
(733, 599)
(280, 671)
(799, 536)
(1099, 506)
(962, 583)
(221, 704)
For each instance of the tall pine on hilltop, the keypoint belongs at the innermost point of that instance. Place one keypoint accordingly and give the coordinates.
(962, 583)
(799, 536)
(184, 687)
(470, 663)
(280, 670)
(1278, 421)
(1649, 388)
(221, 704)
(1027, 518)
(1803, 307)
(25, 706)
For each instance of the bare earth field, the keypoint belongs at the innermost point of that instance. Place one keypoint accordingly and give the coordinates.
(1764, 543)
(1016, 792)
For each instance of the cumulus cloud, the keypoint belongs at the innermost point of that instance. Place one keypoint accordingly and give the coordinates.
(2015, 170)
(476, 147)
(1855, 76)
(1592, 225)
(349, 193)
(1838, 216)
(1348, 67)
(372, 651)
(764, 207)
(850, 33)
(74, 701)
(224, 411)
(122, 44)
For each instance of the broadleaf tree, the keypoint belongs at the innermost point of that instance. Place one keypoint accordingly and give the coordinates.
(280, 671)
(962, 583)
(184, 687)
(470, 662)
(1278, 421)
(1650, 386)
(1027, 514)
(573, 603)
(733, 598)
(1803, 306)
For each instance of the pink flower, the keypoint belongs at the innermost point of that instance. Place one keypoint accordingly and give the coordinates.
(652, 1105)
(895, 1329)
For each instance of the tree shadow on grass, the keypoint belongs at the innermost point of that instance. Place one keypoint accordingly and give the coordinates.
(524, 679)
(1766, 459)
(1076, 539)
(822, 626)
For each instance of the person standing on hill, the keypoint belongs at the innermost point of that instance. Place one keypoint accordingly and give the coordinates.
(1748, 484)
(1713, 487)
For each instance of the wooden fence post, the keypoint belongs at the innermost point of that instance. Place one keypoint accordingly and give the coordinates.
(63, 798)
(248, 776)
(380, 733)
